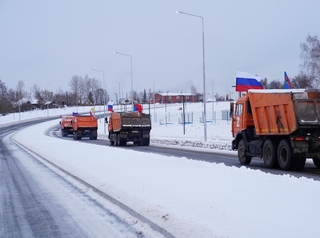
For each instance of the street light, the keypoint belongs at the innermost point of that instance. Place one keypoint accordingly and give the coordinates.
(105, 97)
(204, 75)
(131, 76)
(48, 98)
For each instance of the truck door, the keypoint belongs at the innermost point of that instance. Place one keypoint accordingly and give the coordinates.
(237, 122)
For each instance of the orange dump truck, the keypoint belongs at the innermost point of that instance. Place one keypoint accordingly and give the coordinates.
(84, 126)
(129, 126)
(66, 125)
(280, 126)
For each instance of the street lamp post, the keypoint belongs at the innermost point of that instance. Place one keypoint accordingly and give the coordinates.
(131, 76)
(48, 98)
(204, 75)
(105, 97)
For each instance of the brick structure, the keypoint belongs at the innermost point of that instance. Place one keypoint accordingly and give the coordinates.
(174, 97)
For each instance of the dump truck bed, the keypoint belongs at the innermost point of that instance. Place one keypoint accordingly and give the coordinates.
(121, 120)
(281, 112)
(84, 122)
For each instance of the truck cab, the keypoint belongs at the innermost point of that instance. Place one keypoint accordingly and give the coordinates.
(242, 120)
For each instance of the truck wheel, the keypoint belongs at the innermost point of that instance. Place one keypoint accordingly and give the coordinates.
(316, 161)
(146, 141)
(298, 161)
(123, 142)
(117, 139)
(243, 159)
(284, 155)
(269, 154)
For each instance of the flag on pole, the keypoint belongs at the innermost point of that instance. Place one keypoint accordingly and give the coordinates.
(110, 106)
(246, 81)
(138, 107)
(287, 83)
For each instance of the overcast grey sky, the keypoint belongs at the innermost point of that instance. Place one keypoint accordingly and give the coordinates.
(44, 42)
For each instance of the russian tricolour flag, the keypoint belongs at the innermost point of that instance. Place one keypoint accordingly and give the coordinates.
(246, 81)
(110, 106)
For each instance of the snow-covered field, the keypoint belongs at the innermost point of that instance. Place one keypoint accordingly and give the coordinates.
(186, 197)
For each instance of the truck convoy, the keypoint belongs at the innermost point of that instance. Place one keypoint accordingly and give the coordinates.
(280, 126)
(80, 126)
(129, 126)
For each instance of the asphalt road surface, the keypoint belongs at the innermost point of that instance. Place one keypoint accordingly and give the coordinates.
(35, 201)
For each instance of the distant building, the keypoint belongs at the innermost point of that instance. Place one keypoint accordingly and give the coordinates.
(173, 97)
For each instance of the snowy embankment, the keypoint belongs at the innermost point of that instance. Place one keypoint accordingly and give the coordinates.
(219, 145)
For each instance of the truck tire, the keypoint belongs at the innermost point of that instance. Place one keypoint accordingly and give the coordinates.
(243, 159)
(298, 161)
(123, 142)
(284, 155)
(316, 162)
(146, 141)
(269, 154)
(111, 138)
(117, 139)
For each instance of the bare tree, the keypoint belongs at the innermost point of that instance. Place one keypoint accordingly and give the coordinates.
(264, 83)
(193, 90)
(21, 93)
(275, 84)
(87, 90)
(5, 104)
(75, 87)
(38, 95)
(302, 81)
(310, 57)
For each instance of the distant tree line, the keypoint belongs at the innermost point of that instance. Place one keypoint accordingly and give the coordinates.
(83, 91)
